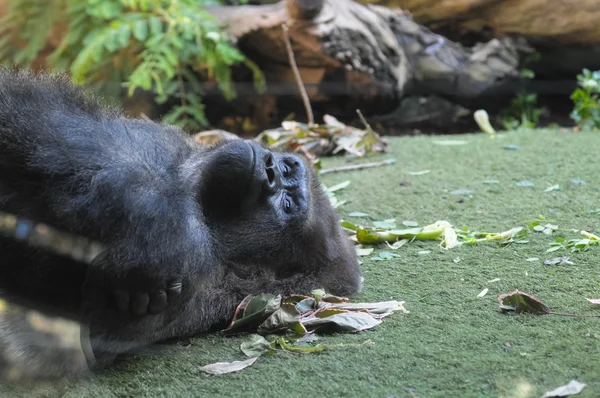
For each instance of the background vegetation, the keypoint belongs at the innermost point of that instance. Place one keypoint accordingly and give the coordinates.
(166, 47)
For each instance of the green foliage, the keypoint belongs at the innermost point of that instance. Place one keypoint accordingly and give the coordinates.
(586, 111)
(523, 111)
(162, 46)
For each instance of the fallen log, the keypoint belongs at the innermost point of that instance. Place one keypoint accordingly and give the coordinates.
(365, 56)
(382, 51)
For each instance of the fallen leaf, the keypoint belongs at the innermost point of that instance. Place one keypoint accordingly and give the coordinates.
(483, 121)
(252, 311)
(374, 308)
(363, 251)
(531, 259)
(449, 142)
(456, 260)
(306, 305)
(256, 346)
(330, 298)
(450, 238)
(483, 292)
(574, 387)
(339, 186)
(358, 214)
(558, 260)
(461, 192)
(397, 245)
(386, 224)
(303, 348)
(494, 280)
(552, 188)
(220, 368)
(345, 322)
(286, 317)
(522, 302)
(525, 184)
(419, 173)
(594, 301)
(307, 339)
(385, 256)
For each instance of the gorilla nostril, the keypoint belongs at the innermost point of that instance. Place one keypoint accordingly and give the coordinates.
(269, 161)
(270, 175)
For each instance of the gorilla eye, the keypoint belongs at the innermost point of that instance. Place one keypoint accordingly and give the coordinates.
(286, 170)
(287, 205)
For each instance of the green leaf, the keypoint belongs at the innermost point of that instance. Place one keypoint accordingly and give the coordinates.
(156, 25)
(257, 346)
(303, 349)
(286, 317)
(140, 29)
(252, 311)
(123, 35)
(349, 225)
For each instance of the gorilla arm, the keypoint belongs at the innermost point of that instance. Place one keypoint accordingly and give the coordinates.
(83, 168)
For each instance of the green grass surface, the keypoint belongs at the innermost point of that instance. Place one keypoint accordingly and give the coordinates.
(452, 344)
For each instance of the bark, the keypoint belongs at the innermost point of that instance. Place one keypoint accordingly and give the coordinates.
(558, 22)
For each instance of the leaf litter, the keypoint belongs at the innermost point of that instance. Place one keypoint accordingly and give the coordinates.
(573, 388)
(326, 139)
(442, 231)
(289, 323)
(520, 302)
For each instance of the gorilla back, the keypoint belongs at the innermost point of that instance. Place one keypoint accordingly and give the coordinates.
(186, 231)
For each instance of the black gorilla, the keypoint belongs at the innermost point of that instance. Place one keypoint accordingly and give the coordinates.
(187, 231)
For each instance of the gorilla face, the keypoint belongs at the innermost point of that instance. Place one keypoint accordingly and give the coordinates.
(273, 203)
(242, 178)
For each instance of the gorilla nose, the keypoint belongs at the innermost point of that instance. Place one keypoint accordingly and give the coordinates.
(271, 171)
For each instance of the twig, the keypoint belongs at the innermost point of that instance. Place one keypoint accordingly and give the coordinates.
(362, 118)
(292, 59)
(45, 237)
(358, 166)
(145, 117)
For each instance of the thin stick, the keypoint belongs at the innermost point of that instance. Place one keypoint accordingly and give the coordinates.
(145, 117)
(292, 59)
(358, 166)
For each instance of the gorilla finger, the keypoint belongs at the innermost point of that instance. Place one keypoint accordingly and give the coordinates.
(174, 289)
(158, 302)
(121, 298)
(139, 305)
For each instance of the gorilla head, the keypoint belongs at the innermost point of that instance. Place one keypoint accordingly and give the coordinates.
(273, 218)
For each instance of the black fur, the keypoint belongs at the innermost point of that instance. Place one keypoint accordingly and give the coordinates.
(221, 222)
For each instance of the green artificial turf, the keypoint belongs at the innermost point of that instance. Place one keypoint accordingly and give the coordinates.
(452, 344)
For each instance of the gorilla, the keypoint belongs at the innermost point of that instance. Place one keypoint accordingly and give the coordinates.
(186, 231)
